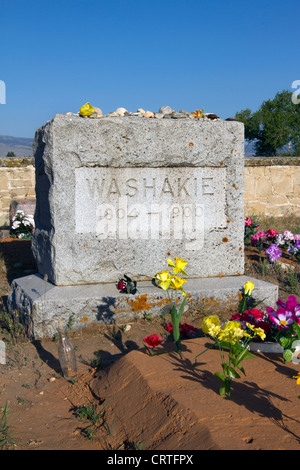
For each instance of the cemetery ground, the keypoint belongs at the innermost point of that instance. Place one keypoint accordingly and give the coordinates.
(124, 399)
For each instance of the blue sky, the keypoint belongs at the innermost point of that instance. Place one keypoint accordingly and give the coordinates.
(221, 55)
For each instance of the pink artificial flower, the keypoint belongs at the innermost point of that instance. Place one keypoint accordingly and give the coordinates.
(248, 221)
(292, 303)
(271, 233)
(282, 318)
(261, 234)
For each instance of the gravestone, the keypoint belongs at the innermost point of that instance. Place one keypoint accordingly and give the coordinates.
(121, 195)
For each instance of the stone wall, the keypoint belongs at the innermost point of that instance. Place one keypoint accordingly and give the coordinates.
(17, 181)
(272, 186)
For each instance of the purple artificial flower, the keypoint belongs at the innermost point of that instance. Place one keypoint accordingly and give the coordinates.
(292, 303)
(273, 253)
(282, 318)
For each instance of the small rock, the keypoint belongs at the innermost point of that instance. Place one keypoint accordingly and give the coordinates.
(284, 266)
(211, 116)
(127, 328)
(248, 440)
(166, 110)
(158, 115)
(141, 111)
(98, 111)
(230, 119)
(52, 379)
(149, 114)
(175, 115)
(121, 111)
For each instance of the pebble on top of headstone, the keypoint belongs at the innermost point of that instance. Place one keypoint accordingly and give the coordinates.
(166, 110)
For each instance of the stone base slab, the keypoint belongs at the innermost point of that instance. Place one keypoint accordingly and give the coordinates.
(40, 305)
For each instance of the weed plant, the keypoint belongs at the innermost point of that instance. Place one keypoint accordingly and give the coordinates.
(7, 438)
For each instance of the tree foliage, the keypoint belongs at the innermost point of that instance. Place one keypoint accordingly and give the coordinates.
(275, 124)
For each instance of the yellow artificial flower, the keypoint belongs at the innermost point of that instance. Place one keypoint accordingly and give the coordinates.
(86, 110)
(231, 332)
(164, 279)
(179, 266)
(211, 325)
(248, 287)
(198, 112)
(260, 332)
(257, 331)
(176, 283)
(297, 377)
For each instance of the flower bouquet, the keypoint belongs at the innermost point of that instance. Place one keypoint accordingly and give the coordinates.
(281, 325)
(22, 225)
(275, 244)
(232, 337)
(127, 285)
(251, 228)
(171, 282)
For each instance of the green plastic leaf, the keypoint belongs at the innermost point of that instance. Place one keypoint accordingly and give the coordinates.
(245, 354)
(288, 355)
(221, 376)
(242, 369)
(284, 342)
(180, 311)
(297, 329)
(233, 373)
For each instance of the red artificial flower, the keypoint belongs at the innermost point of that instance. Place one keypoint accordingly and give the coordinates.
(236, 316)
(255, 313)
(271, 233)
(169, 326)
(189, 331)
(152, 340)
(248, 221)
(121, 285)
(264, 325)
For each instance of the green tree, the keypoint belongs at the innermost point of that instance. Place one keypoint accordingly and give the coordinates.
(10, 154)
(275, 124)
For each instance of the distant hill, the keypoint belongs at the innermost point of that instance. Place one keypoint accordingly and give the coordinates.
(21, 146)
